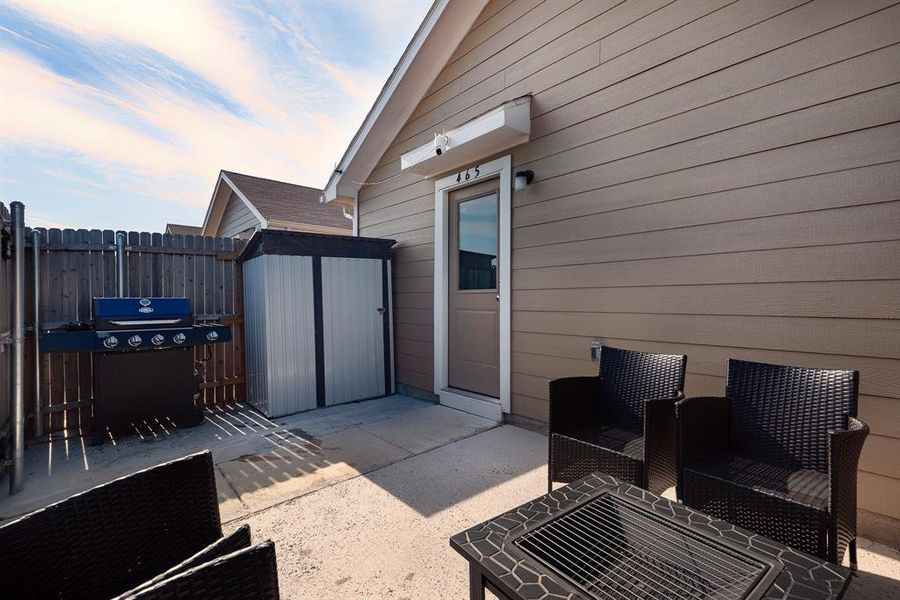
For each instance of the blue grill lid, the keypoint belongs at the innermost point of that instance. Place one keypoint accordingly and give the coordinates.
(137, 309)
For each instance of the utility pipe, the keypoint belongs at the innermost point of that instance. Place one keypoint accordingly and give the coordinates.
(36, 256)
(18, 353)
(120, 264)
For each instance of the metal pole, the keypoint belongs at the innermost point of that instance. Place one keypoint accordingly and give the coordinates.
(18, 332)
(120, 264)
(36, 255)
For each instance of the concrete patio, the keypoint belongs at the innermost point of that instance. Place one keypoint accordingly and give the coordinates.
(360, 499)
(259, 462)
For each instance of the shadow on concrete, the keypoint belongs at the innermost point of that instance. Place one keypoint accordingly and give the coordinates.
(868, 583)
(261, 462)
(431, 482)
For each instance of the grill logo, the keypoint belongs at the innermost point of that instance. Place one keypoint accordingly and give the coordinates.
(145, 302)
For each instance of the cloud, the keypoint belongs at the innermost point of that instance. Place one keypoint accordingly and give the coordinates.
(189, 33)
(154, 98)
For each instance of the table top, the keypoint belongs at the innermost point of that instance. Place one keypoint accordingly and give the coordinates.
(493, 545)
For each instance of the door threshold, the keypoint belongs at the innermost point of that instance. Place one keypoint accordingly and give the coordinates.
(475, 404)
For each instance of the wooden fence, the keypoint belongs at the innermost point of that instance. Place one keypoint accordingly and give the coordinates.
(77, 265)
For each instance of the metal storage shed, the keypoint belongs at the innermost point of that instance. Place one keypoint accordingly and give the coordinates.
(317, 315)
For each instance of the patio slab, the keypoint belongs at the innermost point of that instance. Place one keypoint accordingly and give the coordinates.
(386, 534)
(425, 429)
(266, 478)
(259, 461)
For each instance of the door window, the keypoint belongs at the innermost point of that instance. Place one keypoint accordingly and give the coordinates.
(477, 228)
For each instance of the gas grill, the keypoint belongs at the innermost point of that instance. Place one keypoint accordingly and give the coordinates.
(143, 365)
(134, 324)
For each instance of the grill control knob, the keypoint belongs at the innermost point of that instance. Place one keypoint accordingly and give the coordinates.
(134, 341)
(179, 338)
(212, 336)
(111, 341)
(157, 339)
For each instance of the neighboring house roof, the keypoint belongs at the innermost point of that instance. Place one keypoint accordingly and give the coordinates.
(177, 229)
(275, 204)
(441, 31)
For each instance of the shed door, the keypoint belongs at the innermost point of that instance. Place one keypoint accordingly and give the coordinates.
(353, 314)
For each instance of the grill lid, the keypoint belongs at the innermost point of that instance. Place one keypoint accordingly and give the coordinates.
(610, 548)
(122, 313)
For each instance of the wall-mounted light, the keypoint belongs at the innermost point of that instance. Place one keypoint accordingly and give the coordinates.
(523, 178)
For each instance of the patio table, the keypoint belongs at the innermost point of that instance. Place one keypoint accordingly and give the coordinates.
(601, 538)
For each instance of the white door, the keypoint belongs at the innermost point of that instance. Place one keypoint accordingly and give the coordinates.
(353, 319)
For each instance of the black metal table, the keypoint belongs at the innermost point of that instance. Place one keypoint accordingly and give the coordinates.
(601, 538)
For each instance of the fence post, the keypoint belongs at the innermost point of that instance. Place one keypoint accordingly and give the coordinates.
(120, 264)
(18, 335)
(36, 254)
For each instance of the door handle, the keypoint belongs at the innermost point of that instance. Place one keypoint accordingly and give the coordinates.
(498, 297)
(380, 310)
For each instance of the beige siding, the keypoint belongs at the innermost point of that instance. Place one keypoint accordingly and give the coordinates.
(715, 178)
(237, 218)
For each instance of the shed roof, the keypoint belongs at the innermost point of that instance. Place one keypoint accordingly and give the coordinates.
(297, 243)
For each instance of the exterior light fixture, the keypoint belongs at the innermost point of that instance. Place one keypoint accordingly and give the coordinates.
(523, 178)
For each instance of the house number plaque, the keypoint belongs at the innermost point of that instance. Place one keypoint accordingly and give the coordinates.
(468, 174)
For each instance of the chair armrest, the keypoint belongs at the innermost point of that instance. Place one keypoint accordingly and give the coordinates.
(701, 429)
(572, 401)
(659, 443)
(251, 572)
(844, 449)
(659, 408)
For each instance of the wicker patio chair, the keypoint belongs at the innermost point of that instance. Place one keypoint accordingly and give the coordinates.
(234, 541)
(248, 574)
(107, 540)
(621, 423)
(777, 455)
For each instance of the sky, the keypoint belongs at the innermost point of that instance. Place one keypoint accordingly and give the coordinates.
(119, 115)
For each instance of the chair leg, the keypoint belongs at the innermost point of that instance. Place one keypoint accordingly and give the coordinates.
(853, 563)
(550, 473)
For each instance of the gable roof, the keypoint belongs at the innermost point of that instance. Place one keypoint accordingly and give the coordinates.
(441, 31)
(275, 204)
(178, 229)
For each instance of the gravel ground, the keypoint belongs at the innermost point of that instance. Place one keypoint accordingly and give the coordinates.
(385, 534)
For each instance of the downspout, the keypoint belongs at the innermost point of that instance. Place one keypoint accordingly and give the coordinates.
(18, 350)
(352, 216)
(356, 214)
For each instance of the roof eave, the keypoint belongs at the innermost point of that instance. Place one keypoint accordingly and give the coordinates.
(441, 31)
(216, 209)
(209, 208)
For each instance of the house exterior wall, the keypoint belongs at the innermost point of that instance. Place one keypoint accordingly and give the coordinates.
(236, 218)
(715, 178)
